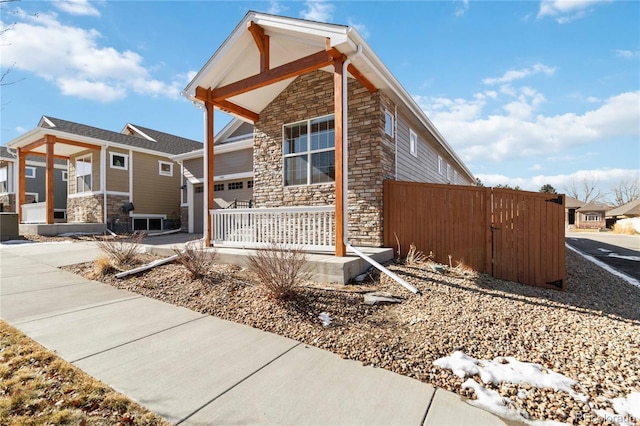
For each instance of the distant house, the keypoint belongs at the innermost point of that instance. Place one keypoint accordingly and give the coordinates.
(571, 205)
(330, 124)
(233, 175)
(592, 216)
(626, 211)
(35, 169)
(125, 180)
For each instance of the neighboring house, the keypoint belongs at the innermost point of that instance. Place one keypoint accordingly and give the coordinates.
(35, 169)
(592, 216)
(125, 180)
(571, 206)
(625, 211)
(330, 124)
(233, 175)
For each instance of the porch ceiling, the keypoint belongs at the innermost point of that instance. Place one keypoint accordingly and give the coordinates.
(289, 40)
(65, 144)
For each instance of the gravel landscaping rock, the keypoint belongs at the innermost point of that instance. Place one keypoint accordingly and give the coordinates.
(590, 332)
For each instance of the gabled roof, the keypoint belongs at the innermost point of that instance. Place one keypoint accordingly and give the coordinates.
(5, 154)
(291, 39)
(594, 206)
(572, 203)
(630, 209)
(230, 138)
(162, 143)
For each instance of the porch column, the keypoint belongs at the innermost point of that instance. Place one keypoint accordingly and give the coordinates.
(22, 192)
(50, 141)
(338, 100)
(208, 232)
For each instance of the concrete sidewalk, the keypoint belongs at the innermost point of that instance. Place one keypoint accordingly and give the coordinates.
(196, 369)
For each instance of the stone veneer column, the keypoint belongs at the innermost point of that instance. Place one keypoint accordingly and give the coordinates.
(371, 154)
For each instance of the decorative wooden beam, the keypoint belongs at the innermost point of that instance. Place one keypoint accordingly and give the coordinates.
(262, 41)
(292, 69)
(361, 78)
(338, 99)
(32, 146)
(237, 109)
(37, 144)
(50, 141)
(78, 144)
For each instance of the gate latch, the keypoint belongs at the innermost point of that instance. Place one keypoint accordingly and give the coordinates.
(557, 200)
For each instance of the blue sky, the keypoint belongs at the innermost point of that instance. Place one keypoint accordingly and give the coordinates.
(526, 92)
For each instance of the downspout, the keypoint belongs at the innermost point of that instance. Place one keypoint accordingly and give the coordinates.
(103, 182)
(345, 177)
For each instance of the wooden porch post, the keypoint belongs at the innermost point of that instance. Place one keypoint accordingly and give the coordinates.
(208, 233)
(22, 196)
(50, 142)
(338, 107)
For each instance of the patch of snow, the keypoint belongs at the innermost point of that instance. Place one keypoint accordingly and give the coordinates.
(614, 418)
(325, 318)
(509, 370)
(603, 265)
(629, 406)
(490, 400)
(604, 250)
(619, 256)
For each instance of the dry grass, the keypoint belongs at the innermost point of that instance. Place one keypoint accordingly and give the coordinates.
(122, 252)
(415, 256)
(280, 270)
(624, 228)
(102, 266)
(37, 387)
(197, 261)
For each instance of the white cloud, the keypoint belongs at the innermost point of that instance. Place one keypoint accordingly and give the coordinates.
(566, 11)
(76, 7)
(462, 8)
(276, 7)
(536, 167)
(72, 58)
(627, 54)
(521, 131)
(603, 177)
(20, 129)
(317, 10)
(513, 75)
(361, 28)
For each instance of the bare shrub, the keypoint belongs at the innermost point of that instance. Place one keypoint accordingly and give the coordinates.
(624, 228)
(122, 252)
(197, 260)
(415, 256)
(280, 270)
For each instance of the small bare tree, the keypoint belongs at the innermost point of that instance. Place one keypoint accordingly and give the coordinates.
(585, 190)
(625, 191)
(121, 252)
(280, 270)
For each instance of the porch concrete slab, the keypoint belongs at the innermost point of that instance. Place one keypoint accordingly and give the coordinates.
(62, 228)
(450, 409)
(24, 283)
(49, 301)
(178, 371)
(79, 334)
(308, 385)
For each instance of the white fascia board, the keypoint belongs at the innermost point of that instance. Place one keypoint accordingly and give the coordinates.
(26, 138)
(231, 127)
(233, 176)
(219, 149)
(138, 131)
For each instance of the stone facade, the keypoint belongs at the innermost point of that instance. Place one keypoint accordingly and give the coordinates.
(118, 221)
(8, 202)
(184, 218)
(371, 153)
(87, 209)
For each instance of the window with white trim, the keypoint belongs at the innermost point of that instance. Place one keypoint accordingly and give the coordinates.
(4, 182)
(309, 151)
(413, 143)
(440, 165)
(118, 161)
(165, 168)
(65, 176)
(30, 172)
(449, 174)
(388, 123)
(218, 187)
(455, 177)
(591, 217)
(250, 184)
(83, 174)
(235, 185)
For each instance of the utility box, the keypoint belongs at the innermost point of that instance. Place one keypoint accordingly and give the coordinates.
(9, 226)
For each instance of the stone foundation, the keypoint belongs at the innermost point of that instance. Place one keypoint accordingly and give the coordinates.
(8, 203)
(87, 209)
(184, 219)
(371, 153)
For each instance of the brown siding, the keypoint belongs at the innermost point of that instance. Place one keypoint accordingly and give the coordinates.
(194, 168)
(117, 179)
(152, 192)
(233, 162)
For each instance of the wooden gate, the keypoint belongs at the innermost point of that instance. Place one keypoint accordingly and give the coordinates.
(511, 235)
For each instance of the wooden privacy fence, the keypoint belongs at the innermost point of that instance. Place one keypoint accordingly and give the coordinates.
(511, 235)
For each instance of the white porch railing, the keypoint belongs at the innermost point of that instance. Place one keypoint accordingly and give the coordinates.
(34, 213)
(312, 227)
